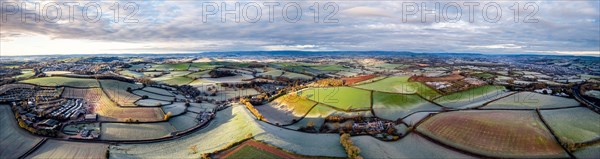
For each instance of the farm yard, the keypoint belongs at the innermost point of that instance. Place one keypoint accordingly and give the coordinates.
(507, 134)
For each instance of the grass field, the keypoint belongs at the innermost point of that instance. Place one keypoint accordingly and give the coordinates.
(252, 152)
(151, 103)
(472, 97)
(232, 125)
(588, 152)
(178, 81)
(400, 84)
(14, 140)
(290, 75)
(66, 149)
(574, 125)
(345, 98)
(318, 114)
(153, 95)
(125, 131)
(202, 66)
(411, 146)
(175, 108)
(158, 91)
(184, 121)
(151, 74)
(169, 67)
(117, 91)
(199, 74)
(505, 134)
(25, 73)
(63, 81)
(133, 74)
(414, 118)
(530, 100)
(285, 109)
(393, 106)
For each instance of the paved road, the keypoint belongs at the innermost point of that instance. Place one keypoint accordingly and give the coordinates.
(578, 96)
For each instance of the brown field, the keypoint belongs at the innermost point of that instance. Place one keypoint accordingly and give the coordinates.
(353, 80)
(108, 110)
(506, 134)
(272, 151)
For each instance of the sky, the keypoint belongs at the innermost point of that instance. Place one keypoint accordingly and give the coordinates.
(181, 26)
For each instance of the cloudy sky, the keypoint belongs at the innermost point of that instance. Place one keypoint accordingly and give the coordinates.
(181, 26)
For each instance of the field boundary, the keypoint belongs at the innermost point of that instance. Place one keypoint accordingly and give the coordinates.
(539, 114)
(38, 145)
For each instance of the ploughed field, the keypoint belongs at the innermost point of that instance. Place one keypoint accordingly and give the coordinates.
(493, 133)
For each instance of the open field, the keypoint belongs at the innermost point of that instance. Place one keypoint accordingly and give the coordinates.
(168, 67)
(251, 152)
(177, 81)
(231, 79)
(588, 152)
(65, 149)
(14, 140)
(530, 100)
(285, 109)
(133, 74)
(345, 98)
(400, 84)
(151, 74)
(472, 97)
(506, 134)
(151, 103)
(63, 81)
(232, 125)
(153, 95)
(126, 131)
(318, 114)
(276, 73)
(184, 121)
(416, 117)
(25, 73)
(230, 94)
(254, 149)
(117, 91)
(175, 108)
(573, 125)
(411, 146)
(158, 91)
(393, 106)
(199, 74)
(52, 73)
(202, 66)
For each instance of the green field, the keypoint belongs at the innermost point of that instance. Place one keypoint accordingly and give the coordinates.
(472, 97)
(15, 140)
(232, 125)
(117, 91)
(170, 67)
(130, 73)
(25, 73)
(153, 95)
(178, 81)
(202, 66)
(345, 98)
(573, 125)
(400, 84)
(530, 100)
(63, 81)
(392, 106)
(199, 74)
(484, 75)
(125, 131)
(158, 91)
(290, 75)
(251, 152)
(411, 146)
